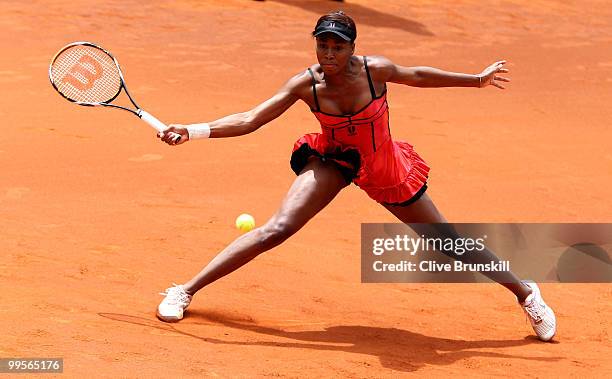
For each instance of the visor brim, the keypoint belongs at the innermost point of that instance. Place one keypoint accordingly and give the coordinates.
(339, 34)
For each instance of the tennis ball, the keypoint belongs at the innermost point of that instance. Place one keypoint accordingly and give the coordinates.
(245, 222)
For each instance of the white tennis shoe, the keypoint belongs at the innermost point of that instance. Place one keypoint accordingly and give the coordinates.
(541, 316)
(172, 308)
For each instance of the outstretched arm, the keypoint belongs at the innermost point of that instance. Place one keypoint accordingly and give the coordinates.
(240, 123)
(433, 77)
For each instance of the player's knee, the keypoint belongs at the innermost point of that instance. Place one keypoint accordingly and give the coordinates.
(276, 232)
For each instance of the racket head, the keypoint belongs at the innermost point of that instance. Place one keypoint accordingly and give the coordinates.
(86, 74)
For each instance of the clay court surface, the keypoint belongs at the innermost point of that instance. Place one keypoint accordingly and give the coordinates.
(97, 216)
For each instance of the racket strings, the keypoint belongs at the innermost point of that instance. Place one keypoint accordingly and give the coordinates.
(86, 74)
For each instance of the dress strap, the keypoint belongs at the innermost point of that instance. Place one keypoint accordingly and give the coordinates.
(314, 90)
(372, 91)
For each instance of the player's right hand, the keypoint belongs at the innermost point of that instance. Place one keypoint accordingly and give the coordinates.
(170, 135)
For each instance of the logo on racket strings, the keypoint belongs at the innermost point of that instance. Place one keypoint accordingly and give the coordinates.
(84, 74)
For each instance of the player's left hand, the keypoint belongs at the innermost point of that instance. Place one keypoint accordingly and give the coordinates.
(489, 76)
(172, 134)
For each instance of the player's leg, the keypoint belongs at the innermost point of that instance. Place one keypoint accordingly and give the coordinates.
(311, 191)
(425, 219)
(317, 184)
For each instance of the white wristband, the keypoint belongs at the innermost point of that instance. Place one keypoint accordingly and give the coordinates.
(198, 131)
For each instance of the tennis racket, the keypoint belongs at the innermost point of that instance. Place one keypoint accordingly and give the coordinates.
(89, 75)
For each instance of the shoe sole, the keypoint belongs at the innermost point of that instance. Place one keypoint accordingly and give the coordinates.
(169, 319)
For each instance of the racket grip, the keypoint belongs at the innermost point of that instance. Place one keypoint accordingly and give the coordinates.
(149, 119)
(155, 123)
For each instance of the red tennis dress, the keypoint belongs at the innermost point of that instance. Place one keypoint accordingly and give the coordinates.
(362, 148)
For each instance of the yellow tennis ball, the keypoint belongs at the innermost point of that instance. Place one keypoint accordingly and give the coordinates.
(245, 222)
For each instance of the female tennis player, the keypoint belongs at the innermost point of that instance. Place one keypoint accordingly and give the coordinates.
(347, 94)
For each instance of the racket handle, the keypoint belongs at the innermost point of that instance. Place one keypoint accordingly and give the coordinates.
(155, 123)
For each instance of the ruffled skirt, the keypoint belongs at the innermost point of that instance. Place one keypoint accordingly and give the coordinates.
(393, 174)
